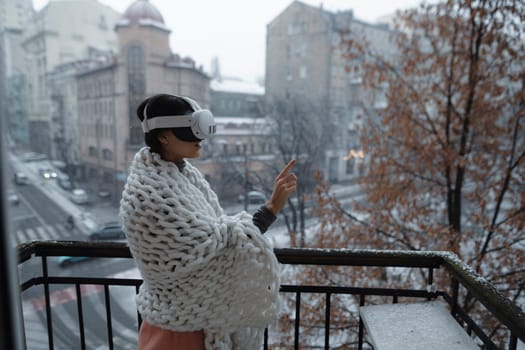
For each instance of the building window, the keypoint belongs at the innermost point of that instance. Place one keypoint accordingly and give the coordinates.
(303, 72)
(102, 23)
(350, 165)
(107, 154)
(93, 151)
(289, 75)
(352, 139)
(136, 64)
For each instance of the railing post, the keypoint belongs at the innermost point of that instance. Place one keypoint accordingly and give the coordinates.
(361, 325)
(139, 317)
(297, 319)
(455, 296)
(430, 282)
(80, 317)
(108, 317)
(48, 303)
(327, 322)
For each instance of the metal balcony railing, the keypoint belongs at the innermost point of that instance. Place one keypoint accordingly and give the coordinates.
(460, 281)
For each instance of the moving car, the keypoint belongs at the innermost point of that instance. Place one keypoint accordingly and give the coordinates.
(79, 196)
(64, 182)
(108, 231)
(254, 197)
(64, 261)
(48, 173)
(12, 197)
(104, 194)
(21, 179)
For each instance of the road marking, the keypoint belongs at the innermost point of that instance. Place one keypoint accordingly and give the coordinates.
(38, 217)
(35, 330)
(21, 237)
(69, 294)
(53, 234)
(64, 296)
(42, 233)
(22, 217)
(31, 234)
(63, 231)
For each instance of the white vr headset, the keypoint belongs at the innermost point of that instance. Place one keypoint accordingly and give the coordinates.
(201, 121)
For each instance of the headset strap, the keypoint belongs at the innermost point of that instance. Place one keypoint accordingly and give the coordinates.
(169, 121)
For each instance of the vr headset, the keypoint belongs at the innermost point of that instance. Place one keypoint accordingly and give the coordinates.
(201, 121)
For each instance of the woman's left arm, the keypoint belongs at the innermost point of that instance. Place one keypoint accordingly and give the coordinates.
(263, 218)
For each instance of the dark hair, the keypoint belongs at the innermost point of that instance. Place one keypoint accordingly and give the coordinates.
(160, 105)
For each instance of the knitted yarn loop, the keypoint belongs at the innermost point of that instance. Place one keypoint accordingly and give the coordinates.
(202, 269)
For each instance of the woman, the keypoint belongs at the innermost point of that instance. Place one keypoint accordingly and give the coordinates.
(210, 280)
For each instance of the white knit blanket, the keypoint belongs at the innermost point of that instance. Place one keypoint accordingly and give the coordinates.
(201, 269)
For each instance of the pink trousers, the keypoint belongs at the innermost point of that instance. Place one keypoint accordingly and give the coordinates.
(155, 338)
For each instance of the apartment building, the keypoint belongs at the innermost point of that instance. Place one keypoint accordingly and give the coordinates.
(305, 60)
(51, 39)
(110, 88)
(14, 15)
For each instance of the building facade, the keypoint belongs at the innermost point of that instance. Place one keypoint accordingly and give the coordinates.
(14, 16)
(305, 60)
(243, 145)
(110, 90)
(231, 97)
(52, 39)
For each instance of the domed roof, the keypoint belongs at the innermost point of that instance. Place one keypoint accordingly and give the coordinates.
(143, 9)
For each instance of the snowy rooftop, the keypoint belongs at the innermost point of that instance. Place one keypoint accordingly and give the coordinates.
(242, 126)
(241, 120)
(237, 85)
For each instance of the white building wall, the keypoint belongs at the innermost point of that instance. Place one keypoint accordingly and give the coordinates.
(14, 14)
(52, 39)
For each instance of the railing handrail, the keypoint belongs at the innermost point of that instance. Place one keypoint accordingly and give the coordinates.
(501, 307)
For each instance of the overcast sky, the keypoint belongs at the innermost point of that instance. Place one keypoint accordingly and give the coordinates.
(235, 30)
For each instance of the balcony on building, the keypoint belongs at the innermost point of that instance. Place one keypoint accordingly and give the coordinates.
(322, 292)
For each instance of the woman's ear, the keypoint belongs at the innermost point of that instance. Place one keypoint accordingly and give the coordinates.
(162, 137)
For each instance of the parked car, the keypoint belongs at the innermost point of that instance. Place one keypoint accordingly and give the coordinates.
(79, 196)
(108, 231)
(64, 182)
(104, 194)
(12, 197)
(48, 173)
(21, 179)
(64, 261)
(254, 197)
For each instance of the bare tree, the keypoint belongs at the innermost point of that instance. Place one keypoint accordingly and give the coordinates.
(446, 158)
(298, 132)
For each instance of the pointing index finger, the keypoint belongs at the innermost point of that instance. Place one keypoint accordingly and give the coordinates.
(287, 168)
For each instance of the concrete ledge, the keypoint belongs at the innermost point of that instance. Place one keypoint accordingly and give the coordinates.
(425, 325)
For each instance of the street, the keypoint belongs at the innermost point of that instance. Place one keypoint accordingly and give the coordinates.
(41, 214)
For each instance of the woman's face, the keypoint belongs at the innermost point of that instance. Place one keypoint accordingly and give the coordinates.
(175, 150)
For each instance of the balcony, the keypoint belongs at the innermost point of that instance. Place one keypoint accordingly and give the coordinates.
(319, 315)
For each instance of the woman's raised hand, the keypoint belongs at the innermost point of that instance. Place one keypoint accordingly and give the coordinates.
(284, 185)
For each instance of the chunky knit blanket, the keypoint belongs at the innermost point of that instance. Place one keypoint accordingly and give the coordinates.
(201, 269)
